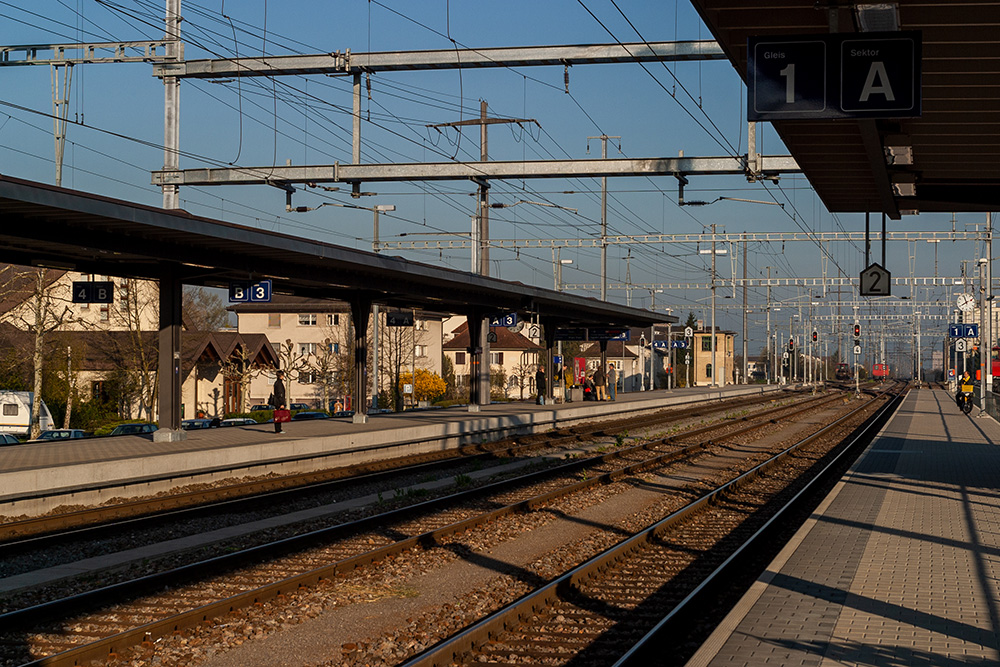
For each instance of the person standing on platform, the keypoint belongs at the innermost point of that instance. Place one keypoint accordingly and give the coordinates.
(612, 382)
(600, 383)
(277, 399)
(540, 386)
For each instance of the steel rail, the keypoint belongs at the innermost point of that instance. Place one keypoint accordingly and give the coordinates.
(453, 650)
(29, 618)
(638, 653)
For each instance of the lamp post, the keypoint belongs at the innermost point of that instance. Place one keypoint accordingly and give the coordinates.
(652, 337)
(713, 252)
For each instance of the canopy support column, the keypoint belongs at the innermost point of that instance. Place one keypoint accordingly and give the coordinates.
(361, 307)
(169, 362)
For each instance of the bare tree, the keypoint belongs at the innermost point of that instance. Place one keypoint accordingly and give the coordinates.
(136, 351)
(241, 368)
(204, 310)
(48, 312)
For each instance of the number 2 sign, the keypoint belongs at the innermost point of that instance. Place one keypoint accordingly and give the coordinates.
(876, 281)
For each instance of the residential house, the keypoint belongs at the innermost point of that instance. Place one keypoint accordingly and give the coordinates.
(512, 356)
(314, 341)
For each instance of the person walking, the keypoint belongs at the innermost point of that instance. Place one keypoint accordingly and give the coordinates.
(600, 383)
(612, 382)
(540, 386)
(278, 397)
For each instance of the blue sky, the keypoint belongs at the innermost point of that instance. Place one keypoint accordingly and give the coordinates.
(697, 108)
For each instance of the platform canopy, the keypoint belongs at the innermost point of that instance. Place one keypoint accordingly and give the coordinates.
(947, 159)
(48, 226)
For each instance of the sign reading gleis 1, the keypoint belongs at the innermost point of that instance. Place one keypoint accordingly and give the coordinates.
(844, 75)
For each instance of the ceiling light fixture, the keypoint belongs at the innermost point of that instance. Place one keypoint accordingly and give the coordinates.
(878, 16)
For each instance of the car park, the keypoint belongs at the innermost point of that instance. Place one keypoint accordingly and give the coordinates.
(134, 429)
(195, 424)
(302, 416)
(61, 434)
(239, 421)
(8, 439)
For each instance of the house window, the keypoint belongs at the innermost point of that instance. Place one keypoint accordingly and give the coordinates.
(273, 320)
(420, 325)
(307, 348)
(708, 370)
(496, 358)
(334, 348)
(308, 378)
(460, 358)
(706, 343)
(307, 319)
(420, 350)
(333, 320)
(105, 312)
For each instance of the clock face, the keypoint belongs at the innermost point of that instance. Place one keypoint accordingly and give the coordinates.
(966, 302)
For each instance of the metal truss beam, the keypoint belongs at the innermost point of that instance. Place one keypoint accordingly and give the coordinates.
(348, 63)
(456, 171)
(935, 281)
(77, 54)
(654, 239)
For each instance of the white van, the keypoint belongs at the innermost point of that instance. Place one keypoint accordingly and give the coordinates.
(15, 413)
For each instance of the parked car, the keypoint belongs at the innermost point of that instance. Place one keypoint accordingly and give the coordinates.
(343, 413)
(8, 439)
(301, 416)
(259, 408)
(239, 421)
(299, 406)
(61, 434)
(134, 429)
(195, 424)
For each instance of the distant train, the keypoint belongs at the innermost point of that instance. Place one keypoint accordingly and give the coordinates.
(843, 372)
(880, 371)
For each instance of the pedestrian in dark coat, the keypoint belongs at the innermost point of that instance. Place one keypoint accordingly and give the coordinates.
(600, 382)
(540, 386)
(278, 397)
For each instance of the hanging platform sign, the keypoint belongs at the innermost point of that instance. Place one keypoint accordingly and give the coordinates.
(876, 281)
(842, 75)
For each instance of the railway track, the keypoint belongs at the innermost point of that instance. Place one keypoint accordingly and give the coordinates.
(283, 488)
(361, 543)
(612, 609)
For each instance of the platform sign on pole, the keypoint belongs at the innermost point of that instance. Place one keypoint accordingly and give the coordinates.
(970, 331)
(857, 350)
(960, 345)
(688, 332)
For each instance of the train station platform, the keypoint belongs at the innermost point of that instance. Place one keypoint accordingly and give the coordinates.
(898, 566)
(37, 477)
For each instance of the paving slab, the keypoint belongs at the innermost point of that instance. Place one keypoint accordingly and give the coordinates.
(898, 566)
